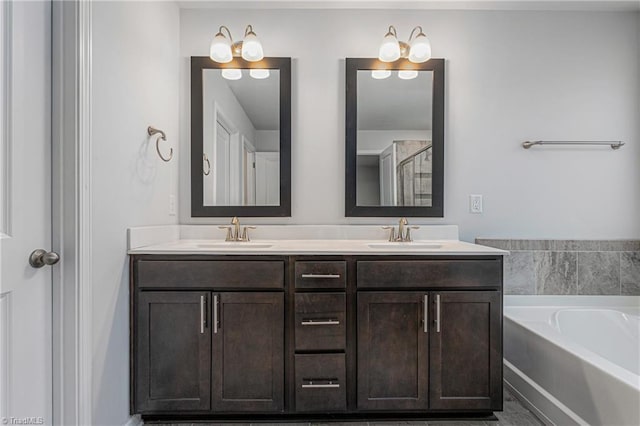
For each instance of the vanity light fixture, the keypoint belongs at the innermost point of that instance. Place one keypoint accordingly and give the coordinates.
(380, 74)
(417, 49)
(407, 74)
(259, 73)
(232, 73)
(223, 49)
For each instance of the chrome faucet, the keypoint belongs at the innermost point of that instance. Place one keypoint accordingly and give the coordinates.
(404, 231)
(234, 235)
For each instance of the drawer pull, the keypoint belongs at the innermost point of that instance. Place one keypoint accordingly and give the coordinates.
(320, 322)
(321, 276)
(321, 385)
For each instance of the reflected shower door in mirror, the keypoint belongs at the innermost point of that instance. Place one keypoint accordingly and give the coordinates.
(394, 138)
(241, 138)
(244, 144)
(394, 144)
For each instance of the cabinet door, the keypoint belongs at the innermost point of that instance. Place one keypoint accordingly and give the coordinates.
(466, 350)
(173, 363)
(248, 352)
(392, 351)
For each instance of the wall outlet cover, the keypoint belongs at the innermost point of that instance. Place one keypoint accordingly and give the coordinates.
(475, 203)
(172, 205)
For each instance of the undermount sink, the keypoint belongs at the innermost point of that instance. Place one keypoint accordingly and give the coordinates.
(405, 246)
(234, 245)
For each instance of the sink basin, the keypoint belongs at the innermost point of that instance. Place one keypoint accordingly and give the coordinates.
(234, 245)
(405, 246)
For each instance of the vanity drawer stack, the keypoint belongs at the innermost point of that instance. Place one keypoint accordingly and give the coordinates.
(320, 336)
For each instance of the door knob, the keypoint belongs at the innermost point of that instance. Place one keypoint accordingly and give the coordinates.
(39, 258)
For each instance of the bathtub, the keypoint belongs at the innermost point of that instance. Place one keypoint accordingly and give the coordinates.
(574, 359)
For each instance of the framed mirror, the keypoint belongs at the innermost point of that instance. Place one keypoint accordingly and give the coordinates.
(394, 138)
(240, 137)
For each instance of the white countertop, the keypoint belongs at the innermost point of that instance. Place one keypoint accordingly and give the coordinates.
(301, 239)
(319, 247)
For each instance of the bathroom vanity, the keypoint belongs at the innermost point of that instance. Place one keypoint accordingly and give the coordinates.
(315, 329)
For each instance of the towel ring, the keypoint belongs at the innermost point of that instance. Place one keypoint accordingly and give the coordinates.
(153, 131)
(205, 159)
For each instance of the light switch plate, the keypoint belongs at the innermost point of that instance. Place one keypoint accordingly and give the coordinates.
(475, 203)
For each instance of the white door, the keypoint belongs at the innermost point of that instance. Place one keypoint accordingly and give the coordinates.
(222, 165)
(249, 177)
(25, 212)
(388, 190)
(267, 178)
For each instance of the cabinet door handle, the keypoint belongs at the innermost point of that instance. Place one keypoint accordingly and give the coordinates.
(320, 322)
(321, 276)
(215, 314)
(202, 315)
(437, 313)
(425, 314)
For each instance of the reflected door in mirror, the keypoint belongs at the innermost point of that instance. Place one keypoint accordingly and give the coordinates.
(394, 139)
(241, 138)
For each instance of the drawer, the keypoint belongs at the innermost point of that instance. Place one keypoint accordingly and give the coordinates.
(320, 383)
(220, 274)
(429, 273)
(320, 321)
(324, 274)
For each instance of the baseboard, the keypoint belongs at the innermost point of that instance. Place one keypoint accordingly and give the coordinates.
(134, 421)
(540, 402)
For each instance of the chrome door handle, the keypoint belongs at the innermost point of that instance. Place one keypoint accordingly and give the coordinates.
(320, 275)
(202, 315)
(215, 314)
(437, 313)
(425, 314)
(320, 322)
(38, 258)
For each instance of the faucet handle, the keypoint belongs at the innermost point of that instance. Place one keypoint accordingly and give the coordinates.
(408, 236)
(392, 232)
(228, 228)
(245, 233)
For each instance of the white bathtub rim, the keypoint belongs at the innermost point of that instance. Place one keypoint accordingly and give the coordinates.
(554, 337)
(544, 405)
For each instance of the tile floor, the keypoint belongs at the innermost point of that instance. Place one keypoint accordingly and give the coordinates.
(514, 414)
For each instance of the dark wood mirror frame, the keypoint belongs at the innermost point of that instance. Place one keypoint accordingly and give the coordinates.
(198, 209)
(353, 65)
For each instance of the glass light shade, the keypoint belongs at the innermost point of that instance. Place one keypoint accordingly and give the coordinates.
(252, 48)
(389, 49)
(259, 73)
(407, 74)
(232, 74)
(220, 50)
(380, 74)
(420, 50)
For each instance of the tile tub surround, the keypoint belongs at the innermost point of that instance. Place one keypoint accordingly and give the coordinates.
(570, 267)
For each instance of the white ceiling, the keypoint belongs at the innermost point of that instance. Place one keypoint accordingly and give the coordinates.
(260, 99)
(571, 5)
(393, 103)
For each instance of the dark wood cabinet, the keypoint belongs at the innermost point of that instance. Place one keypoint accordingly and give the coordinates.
(392, 351)
(173, 352)
(248, 352)
(466, 351)
(241, 338)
